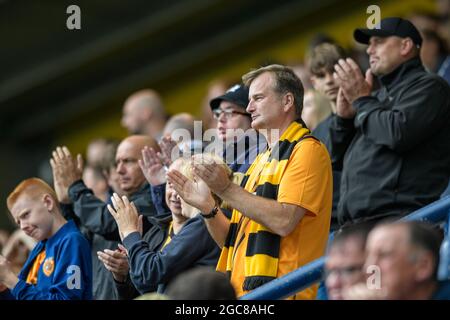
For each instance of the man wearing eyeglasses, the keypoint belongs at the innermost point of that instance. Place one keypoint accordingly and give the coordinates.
(241, 142)
(346, 257)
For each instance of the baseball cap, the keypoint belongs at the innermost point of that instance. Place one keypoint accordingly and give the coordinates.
(237, 94)
(389, 27)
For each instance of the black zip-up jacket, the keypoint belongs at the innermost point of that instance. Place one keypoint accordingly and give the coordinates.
(395, 153)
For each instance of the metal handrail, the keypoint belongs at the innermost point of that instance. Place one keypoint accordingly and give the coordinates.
(311, 273)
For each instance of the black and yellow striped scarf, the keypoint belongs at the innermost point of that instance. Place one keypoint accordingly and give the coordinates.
(262, 252)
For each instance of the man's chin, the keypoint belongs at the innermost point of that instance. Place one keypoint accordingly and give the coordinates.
(256, 125)
(376, 71)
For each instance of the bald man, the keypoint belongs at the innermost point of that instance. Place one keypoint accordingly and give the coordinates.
(144, 113)
(91, 213)
(180, 121)
(59, 267)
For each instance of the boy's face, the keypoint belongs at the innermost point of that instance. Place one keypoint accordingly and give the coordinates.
(325, 83)
(33, 216)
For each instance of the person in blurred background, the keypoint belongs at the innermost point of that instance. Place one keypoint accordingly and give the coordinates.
(201, 283)
(434, 54)
(144, 114)
(95, 180)
(321, 60)
(345, 260)
(406, 255)
(17, 249)
(316, 109)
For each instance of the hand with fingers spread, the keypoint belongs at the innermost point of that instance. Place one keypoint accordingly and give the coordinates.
(125, 214)
(152, 166)
(66, 171)
(115, 261)
(195, 193)
(351, 80)
(169, 151)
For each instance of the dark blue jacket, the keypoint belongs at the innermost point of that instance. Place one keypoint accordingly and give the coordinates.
(191, 247)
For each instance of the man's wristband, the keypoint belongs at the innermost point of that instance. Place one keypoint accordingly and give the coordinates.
(211, 214)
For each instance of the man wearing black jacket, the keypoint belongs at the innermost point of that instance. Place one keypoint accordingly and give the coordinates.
(91, 214)
(393, 144)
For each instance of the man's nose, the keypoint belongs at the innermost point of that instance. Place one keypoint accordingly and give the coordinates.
(250, 107)
(120, 168)
(329, 78)
(222, 117)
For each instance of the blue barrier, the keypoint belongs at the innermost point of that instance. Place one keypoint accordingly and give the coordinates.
(311, 273)
(444, 262)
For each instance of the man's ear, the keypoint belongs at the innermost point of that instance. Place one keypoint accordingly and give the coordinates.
(49, 202)
(288, 102)
(425, 266)
(406, 46)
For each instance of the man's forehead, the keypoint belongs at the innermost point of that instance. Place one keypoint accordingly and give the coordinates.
(226, 105)
(261, 83)
(387, 38)
(388, 236)
(127, 149)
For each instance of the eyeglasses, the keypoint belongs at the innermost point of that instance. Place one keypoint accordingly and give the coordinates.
(228, 113)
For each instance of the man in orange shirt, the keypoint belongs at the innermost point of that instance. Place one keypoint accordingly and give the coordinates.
(281, 214)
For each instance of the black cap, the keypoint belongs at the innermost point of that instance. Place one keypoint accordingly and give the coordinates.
(237, 94)
(389, 27)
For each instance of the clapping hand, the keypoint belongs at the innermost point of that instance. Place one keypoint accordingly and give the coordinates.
(125, 214)
(152, 166)
(66, 170)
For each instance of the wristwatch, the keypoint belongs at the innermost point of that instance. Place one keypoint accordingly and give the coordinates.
(211, 214)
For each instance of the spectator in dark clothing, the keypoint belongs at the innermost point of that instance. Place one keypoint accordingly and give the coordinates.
(242, 143)
(321, 61)
(393, 145)
(90, 213)
(187, 245)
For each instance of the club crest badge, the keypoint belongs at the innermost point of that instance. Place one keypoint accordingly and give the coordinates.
(49, 266)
